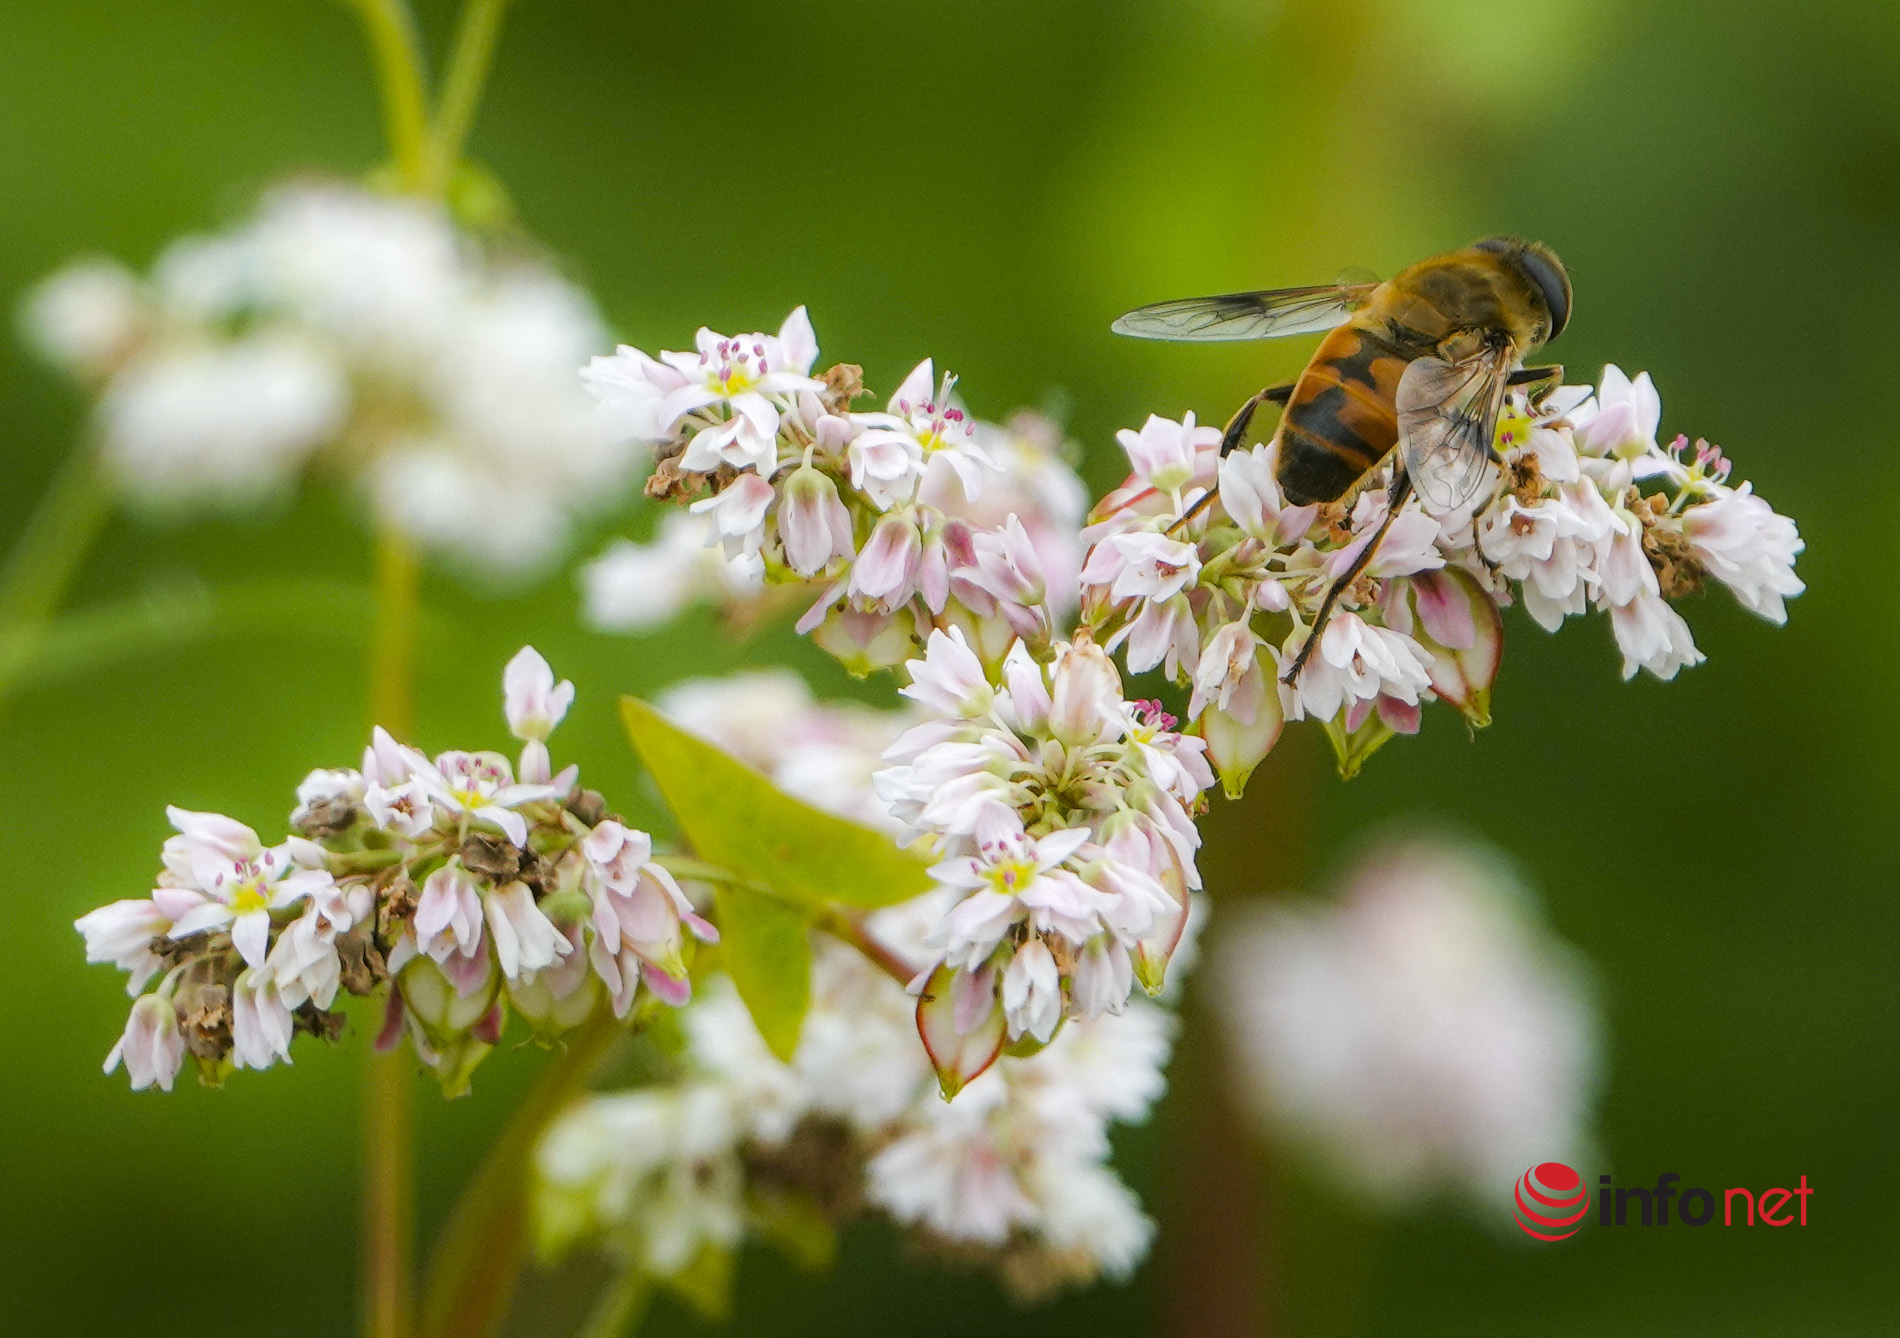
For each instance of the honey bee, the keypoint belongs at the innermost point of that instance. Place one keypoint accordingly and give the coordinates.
(1420, 362)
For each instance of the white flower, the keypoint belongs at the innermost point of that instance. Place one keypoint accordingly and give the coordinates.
(1085, 695)
(1359, 662)
(229, 425)
(122, 934)
(1085, 1208)
(448, 917)
(1250, 494)
(1164, 452)
(1142, 565)
(633, 586)
(261, 1025)
(482, 786)
(1015, 877)
(223, 876)
(84, 317)
(1032, 992)
(534, 705)
(359, 331)
(152, 1047)
(525, 939)
(1748, 547)
(920, 428)
(741, 375)
(1552, 546)
(1622, 419)
(1653, 636)
(949, 1175)
(1422, 1031)
(632, 391)
(949, 680)
(737, 512)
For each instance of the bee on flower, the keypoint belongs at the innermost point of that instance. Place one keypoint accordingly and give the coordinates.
(1588, 512)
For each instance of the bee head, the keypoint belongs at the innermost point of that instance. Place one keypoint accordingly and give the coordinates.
(1541, 269)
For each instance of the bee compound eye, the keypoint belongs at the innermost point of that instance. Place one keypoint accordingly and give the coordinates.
(1541, 266)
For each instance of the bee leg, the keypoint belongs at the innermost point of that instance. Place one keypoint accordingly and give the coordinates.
(1401, 489)
(1231, 437)
(1236, 429)
(1546, 379)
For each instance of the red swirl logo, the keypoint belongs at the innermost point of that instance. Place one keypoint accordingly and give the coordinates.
(1550, 1197)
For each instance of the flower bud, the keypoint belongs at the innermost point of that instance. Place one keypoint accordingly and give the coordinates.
(1235, 745)
(152, 1047)
(959, 1054)
(1085, 695)
(813, 523)
(1462, 629)
(867, 642)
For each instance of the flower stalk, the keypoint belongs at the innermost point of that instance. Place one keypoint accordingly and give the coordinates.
(47, 556)
(389, 1081)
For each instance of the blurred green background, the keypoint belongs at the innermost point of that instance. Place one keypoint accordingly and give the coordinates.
(989, 182)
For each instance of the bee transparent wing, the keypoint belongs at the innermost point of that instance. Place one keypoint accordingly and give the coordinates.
(1267, 314)
(1448, 418)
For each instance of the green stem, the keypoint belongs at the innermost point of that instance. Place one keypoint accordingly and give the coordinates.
(476, 1262)
(389, 1115)
(391, 30)
(470, 59)
(622, 1306)
(46, 557)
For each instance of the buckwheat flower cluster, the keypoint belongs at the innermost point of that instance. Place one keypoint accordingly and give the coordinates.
(1063, 818)
(1584, 511)
(1013, 1177)
(461, 887)
(348, 334)
(905, 519)
(1424, 1032)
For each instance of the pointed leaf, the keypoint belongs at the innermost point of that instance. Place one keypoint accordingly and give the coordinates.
(737, 818)
(768, 953)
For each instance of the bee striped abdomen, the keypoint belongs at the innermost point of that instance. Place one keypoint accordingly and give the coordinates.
(1340, 421)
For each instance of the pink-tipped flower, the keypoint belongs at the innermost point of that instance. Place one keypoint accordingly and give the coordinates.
(261, 1026)
(152, 1047)
(532, 701)
(1622, 420)
(525, 939)
(1164, 453)
(949, 680)
(1032, 992)
(813, 524)
(448, 919)
(223, 877)
(886, 571)
(960, 1054)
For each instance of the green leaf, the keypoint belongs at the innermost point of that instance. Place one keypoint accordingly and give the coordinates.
(736, 818)
(768, 953)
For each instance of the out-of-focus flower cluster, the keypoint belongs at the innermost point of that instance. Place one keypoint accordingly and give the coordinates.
(1588, 511)
(906, 519)
(356, 335)
(1063, 816)
(732, 1143)
(462, 887)
(1424, 1033)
